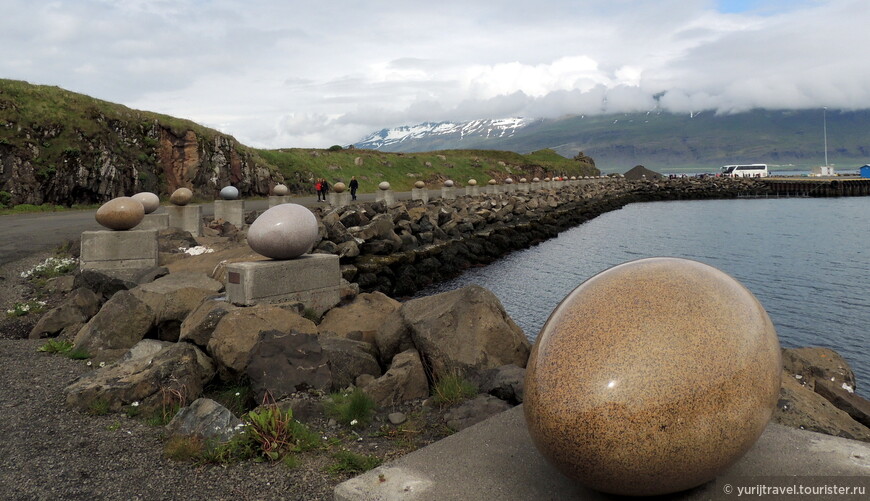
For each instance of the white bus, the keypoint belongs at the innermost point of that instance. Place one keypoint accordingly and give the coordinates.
(746, 170)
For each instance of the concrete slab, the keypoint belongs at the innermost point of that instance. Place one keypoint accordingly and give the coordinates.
(231, 211)
(121, 251)
(186, 217)
(153, 222)
(278, 200)
(496, 460)
(312, 279)
(386, 196)
(420, 194)
(338, 199)
(448, 192)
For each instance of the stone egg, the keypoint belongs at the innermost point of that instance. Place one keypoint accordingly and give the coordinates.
(280, 190)
(508, 181)
(384, 186)
(229, 193)
(339, 187)
(448, 183)
(181, 196)
(150, 202)
(573, 178)
(419, 185)
(472, 182)
(120, 213)
(285, 231)
(652, 377)
(546, 180)
(492, 182)
(523, 180)
(536, 180)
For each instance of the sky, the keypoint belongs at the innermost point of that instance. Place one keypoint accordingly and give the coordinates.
(313, 74)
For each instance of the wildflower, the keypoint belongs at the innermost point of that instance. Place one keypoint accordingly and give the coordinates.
(237, 393)
(102, 364)
(353, 422)
(90, 363)
(135, 404)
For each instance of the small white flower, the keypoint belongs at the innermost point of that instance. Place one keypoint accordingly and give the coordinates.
(135, 404)
(102, 364)
(353, 422)
(90, 363)
(798, 376)
(237, 393)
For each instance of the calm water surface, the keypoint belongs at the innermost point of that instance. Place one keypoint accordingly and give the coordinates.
(806, 260)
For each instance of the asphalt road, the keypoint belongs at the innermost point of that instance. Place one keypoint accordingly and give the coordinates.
(25, 234)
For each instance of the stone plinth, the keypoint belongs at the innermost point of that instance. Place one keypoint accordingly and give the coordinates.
(120, 253)
(186, 217)
(510, 188)
(278, 200)
(231, 211)
(448, 192)
(523, 187)
(492, 189)
(311, 279)
(420, 194)
(536, 185)
(154, 222)
(338, 199)
(472, 191)
(387, 196)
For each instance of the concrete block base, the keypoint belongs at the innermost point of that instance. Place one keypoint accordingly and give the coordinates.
(448, 193)
(386, 196)
(338, 199)
(186, 217)
(120, 253)
(536, 186)
(472, 191)
(420, 194)
(231, 211)
(278, 200)
(523, 187)
(492, 189)
(312, 279)
(154, 222)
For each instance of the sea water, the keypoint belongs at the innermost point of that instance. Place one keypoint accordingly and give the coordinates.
(806, 260)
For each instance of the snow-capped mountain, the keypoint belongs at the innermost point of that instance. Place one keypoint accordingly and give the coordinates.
(447, 132)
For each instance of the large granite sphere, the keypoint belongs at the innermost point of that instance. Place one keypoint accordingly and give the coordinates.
(419, 185)
(472, 182)
(120, 213)
(448, 183)
(339, 187)
(181, 196)
(508, 181)
(285, 231)
(652, 377)
(229, 193)
(150, 202)
(280, 190)
(384, 186)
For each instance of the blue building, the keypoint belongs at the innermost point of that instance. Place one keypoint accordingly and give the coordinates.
(865, 171)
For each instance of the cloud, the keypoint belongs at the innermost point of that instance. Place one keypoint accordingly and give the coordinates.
(276, 74)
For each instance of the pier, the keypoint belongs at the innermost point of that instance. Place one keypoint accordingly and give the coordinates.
(816, 187)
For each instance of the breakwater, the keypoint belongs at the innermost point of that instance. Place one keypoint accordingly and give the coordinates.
(817, 187)
(410, 245)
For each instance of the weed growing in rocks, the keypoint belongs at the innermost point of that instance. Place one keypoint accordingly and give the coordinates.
(452, 388)
(237, 398)
(275, 433)
(171, 401)
(351, 462)
(51, 267)
(98, 407)
(22, 308)
(56, 346)
(351, 409)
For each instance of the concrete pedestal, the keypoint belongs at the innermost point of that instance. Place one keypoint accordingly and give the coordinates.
(231, 211)
(523, 187)
(448, 193)
(311, 279)
(472, 191)
(338, 199)
(119, 253)
(536, 186)
(153, 222)
(493, 189)
(420, 194)
(278, 200)
(387, 196)
(510, 188)
(186, 217)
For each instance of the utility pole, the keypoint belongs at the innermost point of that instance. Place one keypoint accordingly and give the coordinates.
(825, 131)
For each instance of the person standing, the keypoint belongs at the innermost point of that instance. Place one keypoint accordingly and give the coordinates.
(354, 185)
(318, 186)
(324, 187)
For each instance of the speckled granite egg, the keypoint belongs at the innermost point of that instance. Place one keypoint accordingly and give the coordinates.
(508, 181)
(536, 180)
(652, 377)
(181, 196)
(120, 213)
(384, 186)
(280, 190)
(339, 187)
(419, 185)
(448, 183)
(492, 182)
(285, 231)
(229, 193)
(472, 182)
(523, 180)
(150, 202)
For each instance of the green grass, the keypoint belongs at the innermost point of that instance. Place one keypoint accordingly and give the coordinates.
(351, 409)
(56, 346)
(451, 389)
(351, 462)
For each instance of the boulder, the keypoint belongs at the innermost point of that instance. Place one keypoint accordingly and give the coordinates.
(506, 383)
(75, 310)
(845, 399)
(146, 348)
(403, 382)
(466, 329)
(102, 283)
(173, 297)
(800, 407)
(239, 330)
(174, 240)
(392, 337)
(365, 314)
(175, 375)
(283, 363)
(818, 363)
(206, 419)
(335, 230)
(121, 323)
(198, 326)
(473, 411)
(349, 359)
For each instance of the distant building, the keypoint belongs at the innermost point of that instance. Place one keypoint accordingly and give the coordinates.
(823, 170)
(865, 171)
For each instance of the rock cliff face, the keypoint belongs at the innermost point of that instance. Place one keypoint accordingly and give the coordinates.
(63, 148)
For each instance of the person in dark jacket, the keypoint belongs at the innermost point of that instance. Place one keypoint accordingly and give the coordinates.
(354, 185)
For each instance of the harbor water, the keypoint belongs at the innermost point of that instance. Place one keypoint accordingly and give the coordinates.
(806, 260)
